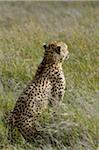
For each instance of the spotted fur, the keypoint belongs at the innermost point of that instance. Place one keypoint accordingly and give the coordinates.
(47, 87)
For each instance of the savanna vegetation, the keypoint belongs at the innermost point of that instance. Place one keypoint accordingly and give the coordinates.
(24, 27)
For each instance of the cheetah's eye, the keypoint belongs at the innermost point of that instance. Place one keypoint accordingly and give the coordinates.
(58, 49)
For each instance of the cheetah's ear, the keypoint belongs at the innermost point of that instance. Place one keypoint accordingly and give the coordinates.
(45, 46)
(58, 49)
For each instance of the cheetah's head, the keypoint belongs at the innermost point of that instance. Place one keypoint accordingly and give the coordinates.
(56, 51)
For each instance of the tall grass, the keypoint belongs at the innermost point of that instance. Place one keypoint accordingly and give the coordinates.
(24, 26)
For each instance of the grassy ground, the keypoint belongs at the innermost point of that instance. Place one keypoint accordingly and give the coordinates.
(24, 26)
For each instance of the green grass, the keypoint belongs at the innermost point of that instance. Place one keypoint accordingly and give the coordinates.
(24, 27)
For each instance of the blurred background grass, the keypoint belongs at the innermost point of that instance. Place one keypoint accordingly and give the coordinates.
(24, 27)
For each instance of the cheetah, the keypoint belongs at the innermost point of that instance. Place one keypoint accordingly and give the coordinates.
(47, 87)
